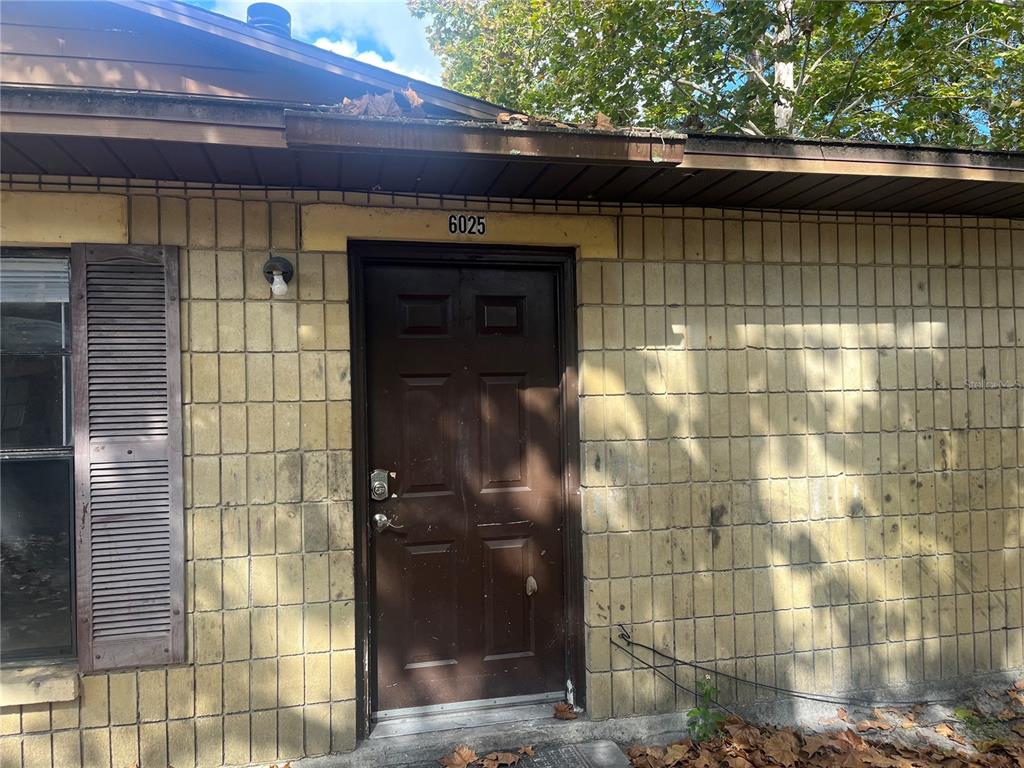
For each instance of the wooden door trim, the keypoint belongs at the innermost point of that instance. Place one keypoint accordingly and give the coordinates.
(562, 262)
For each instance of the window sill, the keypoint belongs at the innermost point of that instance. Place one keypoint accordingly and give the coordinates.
(38, 684)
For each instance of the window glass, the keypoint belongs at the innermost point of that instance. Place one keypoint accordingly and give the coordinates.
(41, 327)
(35, 344)
(34, 407)
(36, 462)
(34, 294)
(35, 574)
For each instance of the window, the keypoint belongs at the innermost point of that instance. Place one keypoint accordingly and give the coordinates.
(36, 457)
(92, 529)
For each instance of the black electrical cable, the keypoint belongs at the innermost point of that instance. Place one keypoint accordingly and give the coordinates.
(822, 698)
(672, 680)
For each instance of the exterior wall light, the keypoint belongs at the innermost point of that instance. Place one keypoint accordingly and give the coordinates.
(279, 272)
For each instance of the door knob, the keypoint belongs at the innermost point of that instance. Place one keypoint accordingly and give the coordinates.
(531, 586)
(382, 522)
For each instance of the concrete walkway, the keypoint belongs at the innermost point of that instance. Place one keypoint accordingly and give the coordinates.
(551, 738)
(593, 741)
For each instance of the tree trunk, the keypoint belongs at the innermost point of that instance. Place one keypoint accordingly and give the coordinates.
(783, 104)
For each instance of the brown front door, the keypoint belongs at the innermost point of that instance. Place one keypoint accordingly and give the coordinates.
(463, 383)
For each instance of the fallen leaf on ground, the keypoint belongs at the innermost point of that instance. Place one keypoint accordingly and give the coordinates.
(747, 745)
(743, 734)
(461, 757)
(908, 720)
(841, 714)
(676, 754)
(815, 742)
(783, 747)
(528, 751)
(738, 761)
(564, 711)
(646, 757)
(498, 759)
(873, 725)
(944, 729)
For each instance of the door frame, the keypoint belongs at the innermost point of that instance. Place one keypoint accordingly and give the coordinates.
(561, 262)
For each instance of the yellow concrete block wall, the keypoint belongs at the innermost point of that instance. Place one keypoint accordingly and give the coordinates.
(268, 489)
(802, 451)
(802, 462)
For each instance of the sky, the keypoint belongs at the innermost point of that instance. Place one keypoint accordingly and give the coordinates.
(378, 32)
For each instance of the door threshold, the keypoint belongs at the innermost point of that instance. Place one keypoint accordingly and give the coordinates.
(463, 714)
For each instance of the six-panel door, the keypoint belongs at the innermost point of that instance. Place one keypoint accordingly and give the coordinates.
(463, 380)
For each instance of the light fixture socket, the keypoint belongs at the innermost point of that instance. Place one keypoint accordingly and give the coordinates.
(278, 264)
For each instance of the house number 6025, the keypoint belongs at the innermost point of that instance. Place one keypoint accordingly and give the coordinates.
(459, 224)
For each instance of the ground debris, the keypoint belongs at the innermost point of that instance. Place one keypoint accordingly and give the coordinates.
(464, 757)
(745, 745)
(565, 711)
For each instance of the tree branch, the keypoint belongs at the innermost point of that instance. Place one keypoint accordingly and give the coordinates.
(750, 68)
(860, 57)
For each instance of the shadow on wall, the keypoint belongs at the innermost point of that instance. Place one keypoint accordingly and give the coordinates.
(827, 492)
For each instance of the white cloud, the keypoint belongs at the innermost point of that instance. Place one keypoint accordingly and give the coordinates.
(350, 48)
(379, 32)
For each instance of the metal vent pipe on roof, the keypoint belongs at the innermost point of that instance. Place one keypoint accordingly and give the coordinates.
(269, 17)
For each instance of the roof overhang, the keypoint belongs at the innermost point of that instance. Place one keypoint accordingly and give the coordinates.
(203, 139)
(314, 130)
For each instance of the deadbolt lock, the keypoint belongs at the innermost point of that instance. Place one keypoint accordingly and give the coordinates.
(380, 484)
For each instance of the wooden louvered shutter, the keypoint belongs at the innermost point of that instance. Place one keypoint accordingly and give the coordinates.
(128, 473)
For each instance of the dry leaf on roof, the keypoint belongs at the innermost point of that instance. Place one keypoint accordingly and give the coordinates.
(415, 102)
(383, 105)
(354, 107)
(603, 123)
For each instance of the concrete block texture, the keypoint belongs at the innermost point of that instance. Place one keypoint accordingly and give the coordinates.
(801, 446)
(811, 425)
(266, 412)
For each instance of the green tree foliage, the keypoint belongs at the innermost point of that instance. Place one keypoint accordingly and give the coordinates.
(949, 73)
